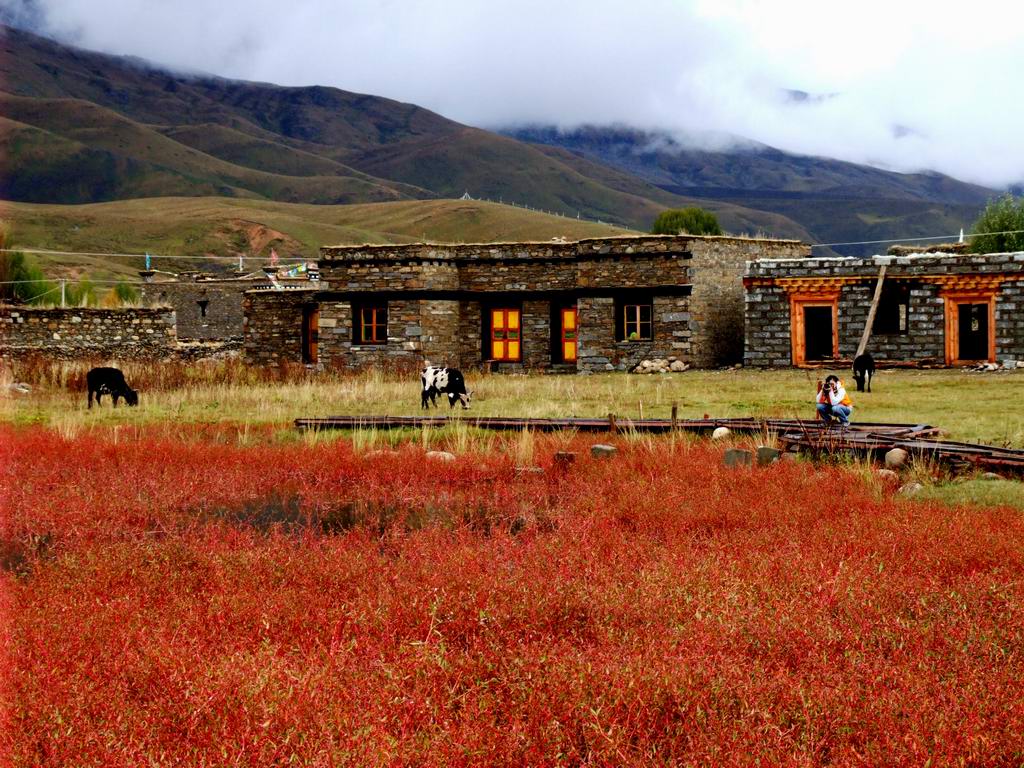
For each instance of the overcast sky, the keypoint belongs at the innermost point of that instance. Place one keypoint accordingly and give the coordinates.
(908, 85)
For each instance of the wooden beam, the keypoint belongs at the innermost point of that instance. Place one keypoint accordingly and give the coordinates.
(866, 336)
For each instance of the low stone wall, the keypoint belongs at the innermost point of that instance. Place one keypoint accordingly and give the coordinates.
(68, 334)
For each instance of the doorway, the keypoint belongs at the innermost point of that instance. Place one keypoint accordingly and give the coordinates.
(970, 328)
(814, 328)
(310, 333)
(817, 333)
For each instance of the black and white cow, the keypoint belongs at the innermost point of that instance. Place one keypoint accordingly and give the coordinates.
(436, 381)
(109, 381)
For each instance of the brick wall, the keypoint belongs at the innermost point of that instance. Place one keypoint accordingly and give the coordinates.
(63, 333)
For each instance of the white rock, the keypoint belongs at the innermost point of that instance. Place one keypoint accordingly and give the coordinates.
(678, 366)
(721, 433)
(896, 458)
(441, 455)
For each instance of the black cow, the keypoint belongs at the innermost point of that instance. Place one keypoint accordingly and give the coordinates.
(109, 381)
(443, 381)
(863, 370)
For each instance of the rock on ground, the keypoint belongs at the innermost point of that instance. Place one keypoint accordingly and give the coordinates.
(441, 455)
(896, 458)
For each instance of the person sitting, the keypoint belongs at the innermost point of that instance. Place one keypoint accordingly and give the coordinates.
(833, 402)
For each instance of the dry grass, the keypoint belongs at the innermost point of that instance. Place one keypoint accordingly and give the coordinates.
(968, 406)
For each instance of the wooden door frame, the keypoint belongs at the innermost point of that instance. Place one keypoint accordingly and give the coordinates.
(953, 299)
(310, 340)
(798, 334)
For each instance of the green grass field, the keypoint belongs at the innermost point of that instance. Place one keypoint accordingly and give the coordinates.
(967, 406)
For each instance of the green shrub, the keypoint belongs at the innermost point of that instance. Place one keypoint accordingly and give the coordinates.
(686, 221)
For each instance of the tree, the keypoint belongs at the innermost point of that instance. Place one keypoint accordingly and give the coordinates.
(686, 221)
(20, 280)
(1004, 214)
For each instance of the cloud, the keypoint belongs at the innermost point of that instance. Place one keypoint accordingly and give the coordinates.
(888, 83)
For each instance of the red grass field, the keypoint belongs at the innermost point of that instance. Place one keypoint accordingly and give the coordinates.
(194, 602)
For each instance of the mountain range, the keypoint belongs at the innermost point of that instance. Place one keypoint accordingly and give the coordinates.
(78, 126)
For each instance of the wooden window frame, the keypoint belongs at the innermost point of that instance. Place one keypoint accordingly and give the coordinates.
(378, 317)
(502, 334)
(953, 301)
(798, 335)
(575, 340)
(637, 322)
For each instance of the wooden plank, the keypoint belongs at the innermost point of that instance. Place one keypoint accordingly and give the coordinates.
(866, 336)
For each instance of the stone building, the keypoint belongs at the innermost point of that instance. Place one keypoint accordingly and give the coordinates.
(589, 305)
(209, 308)
(934, 308)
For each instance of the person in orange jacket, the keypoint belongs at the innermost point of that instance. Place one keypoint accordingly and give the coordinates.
(834, 403)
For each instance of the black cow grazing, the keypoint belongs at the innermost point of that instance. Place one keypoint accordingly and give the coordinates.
(109, 381)
(443, 381)
(863, 370)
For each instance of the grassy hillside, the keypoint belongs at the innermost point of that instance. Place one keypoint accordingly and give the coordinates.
(831, 200)
(86, 127)
(226, 227)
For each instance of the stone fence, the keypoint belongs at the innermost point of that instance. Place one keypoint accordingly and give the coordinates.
(83, 332)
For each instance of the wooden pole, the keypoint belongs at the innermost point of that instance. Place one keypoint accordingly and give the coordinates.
(675, 416)
(866, 336)
(611, 423)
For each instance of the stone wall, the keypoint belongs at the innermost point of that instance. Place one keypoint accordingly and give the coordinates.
(716, 307)
(925, 339)
(454, 285)
(86, 332)
(223, 307)
(767, 337)
(272, 330)
(1010, 321)
(599, 350)
(767, 310)
(440, 322)
(470, 329)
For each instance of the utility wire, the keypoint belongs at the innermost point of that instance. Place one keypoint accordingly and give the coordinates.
(47, 252)
(916, 239)
(234, 259)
